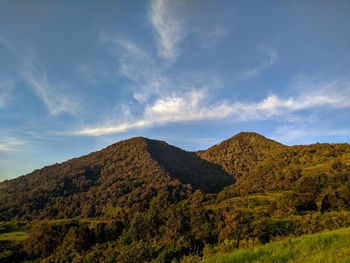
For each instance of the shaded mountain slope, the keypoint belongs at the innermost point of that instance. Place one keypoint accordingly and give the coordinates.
(260, 164)
(139, 199)
(128, 174)
(188, 167)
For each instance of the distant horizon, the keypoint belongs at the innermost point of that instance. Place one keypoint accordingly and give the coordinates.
(77, 76)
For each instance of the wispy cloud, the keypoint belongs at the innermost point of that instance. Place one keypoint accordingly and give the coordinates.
(52, 95)
(11, 144)
(163, 99)
(210, 36)
(92, 74)
(5, 92)
(197, 105)
(168, 26)
(164, 110)
(271, 60)
(307, 133)
(9, 43)
(137, 65)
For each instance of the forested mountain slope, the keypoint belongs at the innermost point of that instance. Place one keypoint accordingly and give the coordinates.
(242, 152)
(143, 200)
(262, 165)
(128, 173)
(131, 172)
(323, 163)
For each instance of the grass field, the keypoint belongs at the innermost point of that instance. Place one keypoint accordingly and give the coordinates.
(14, 236)
(333, 246)
(9, 244)
(325, 167)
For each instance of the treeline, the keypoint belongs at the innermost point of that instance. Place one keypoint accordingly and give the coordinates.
(123, 174)
(146, 201)
(319, 173)
(171, 231)
(128, 174)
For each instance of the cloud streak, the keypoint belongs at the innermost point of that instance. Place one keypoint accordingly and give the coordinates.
(138, 66)
(5, 92)
(10, 144)
(272, 59)
(291, 134)
(196, 105)
(55, 101)
(36, 77)
(169, 28)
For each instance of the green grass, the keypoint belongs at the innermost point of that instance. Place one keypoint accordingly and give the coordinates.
(326, 167)
(249, 202)
(333, 246)
(14, 236)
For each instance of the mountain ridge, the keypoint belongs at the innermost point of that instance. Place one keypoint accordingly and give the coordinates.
(128, 173)
(131, 172)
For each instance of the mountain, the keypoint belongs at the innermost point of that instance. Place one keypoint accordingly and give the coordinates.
(188, 168)
(143, 200)
(242, 152)
(259, 164)
(325, 163)
(128, 173)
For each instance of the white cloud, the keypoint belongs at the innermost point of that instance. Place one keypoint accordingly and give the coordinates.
(174, 20)
(272, 59)
(50, 94)
(138, 66)
(169, 27)
(163, 99)
(273, 105)
(196, 105)
(10, 144)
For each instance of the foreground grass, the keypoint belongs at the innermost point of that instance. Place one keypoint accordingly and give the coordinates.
(333, 246)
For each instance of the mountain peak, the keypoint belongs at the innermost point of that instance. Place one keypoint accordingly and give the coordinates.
(241, 151)
(248, 134)
(251, 138)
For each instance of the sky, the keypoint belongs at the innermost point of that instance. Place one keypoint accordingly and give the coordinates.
(77, 76)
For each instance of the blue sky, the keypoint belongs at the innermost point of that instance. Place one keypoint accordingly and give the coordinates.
(77, 76)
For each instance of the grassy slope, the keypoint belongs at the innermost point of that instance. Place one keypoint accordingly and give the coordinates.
(326, 167)
(333, 246)
(14, 236)
(9, 243)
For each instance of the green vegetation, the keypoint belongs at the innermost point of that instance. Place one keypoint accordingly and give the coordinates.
(242, 152)
(331, 246)
(143, 200)
(14, 236)
(126, 174)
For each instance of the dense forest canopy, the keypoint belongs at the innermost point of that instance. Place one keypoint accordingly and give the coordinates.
(143, 200)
